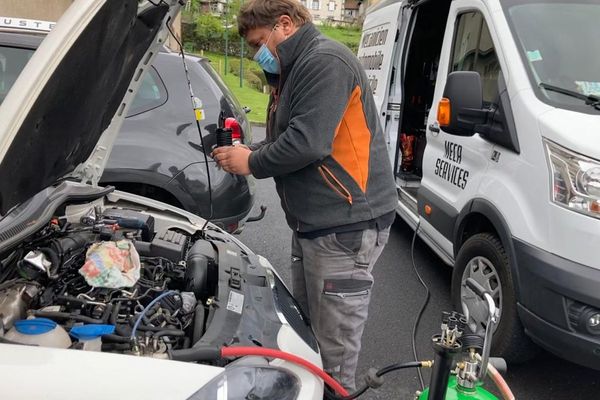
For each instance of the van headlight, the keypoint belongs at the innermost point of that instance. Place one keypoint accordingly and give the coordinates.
(248, 382)
(575, 180)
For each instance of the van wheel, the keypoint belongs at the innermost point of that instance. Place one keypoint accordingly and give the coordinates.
(483, 258)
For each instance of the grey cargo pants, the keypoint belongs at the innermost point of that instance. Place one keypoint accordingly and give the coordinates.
(332, 281)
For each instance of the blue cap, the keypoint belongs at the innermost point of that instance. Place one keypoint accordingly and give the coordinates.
(35, 326)
(91, 331)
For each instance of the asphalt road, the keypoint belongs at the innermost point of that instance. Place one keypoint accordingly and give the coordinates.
(397, 297)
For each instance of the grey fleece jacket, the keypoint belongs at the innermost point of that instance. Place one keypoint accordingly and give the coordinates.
(325, 147)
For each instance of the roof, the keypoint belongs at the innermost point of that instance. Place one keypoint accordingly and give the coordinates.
(352, 4)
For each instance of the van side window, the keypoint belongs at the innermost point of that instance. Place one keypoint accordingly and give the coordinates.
(473, 50)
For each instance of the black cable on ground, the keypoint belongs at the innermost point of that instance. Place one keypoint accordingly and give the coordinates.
(396, 367)
(423, 307)
(374, 379)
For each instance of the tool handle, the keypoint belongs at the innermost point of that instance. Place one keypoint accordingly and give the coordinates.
(476, 287)
(130, 223)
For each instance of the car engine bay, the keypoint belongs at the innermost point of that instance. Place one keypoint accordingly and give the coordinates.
(42, 279)
(190, 289)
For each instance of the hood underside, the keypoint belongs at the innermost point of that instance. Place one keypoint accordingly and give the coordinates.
(78, 101)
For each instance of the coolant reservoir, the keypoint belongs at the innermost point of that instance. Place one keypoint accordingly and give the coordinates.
(90, 336)
(39, 331)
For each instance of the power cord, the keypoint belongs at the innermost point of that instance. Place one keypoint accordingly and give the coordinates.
(423, 307)
(187, 77)
(374, 378)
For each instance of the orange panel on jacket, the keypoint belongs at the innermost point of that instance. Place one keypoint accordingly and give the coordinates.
(352, 141)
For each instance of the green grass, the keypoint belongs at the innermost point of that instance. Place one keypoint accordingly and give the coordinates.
(247, 96)
(348, 36)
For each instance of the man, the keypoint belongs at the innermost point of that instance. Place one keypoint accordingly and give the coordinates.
(326, 150)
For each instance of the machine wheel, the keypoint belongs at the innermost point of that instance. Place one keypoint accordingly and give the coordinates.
(483, 258)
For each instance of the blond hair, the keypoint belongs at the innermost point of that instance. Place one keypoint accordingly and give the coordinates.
(265, 13)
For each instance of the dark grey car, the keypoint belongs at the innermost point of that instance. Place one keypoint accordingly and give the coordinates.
(158, 153)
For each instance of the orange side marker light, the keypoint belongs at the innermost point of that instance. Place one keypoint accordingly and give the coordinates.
(444, 115)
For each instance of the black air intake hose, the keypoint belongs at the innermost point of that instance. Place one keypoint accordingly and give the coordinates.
(199, 317)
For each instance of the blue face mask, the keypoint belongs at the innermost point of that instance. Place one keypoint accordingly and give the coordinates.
(265, 59)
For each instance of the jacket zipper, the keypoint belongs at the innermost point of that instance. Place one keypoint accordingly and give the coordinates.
(276, 102)
(272, 110)
(342, 191)
(270, 120)
(275, 93)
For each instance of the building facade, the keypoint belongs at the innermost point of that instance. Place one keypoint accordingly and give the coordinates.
(215, 7)
(325, 11)
(351, 11)
(45, 10)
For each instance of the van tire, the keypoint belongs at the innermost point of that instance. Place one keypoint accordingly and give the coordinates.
(485, 249)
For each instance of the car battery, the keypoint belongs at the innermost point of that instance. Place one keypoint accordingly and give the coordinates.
(131, 219)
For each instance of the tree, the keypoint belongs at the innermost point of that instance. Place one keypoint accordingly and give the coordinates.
(231, 9)
(192, 10)
(209, 28)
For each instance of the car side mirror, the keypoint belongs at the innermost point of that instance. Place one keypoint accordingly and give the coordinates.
(461, 108)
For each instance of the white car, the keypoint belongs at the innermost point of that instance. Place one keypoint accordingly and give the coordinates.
(106, 294)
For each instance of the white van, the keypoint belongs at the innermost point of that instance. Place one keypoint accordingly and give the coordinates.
(491, 109)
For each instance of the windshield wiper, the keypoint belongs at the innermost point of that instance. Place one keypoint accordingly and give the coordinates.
(590, 100)
(65, 178)
(13, 208)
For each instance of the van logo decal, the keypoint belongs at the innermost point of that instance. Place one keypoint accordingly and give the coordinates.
(448, 167)
(371, 55)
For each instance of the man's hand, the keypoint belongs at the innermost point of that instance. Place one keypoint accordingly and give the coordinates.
(233, 159)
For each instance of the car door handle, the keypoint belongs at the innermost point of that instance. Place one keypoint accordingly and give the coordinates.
(434, 128)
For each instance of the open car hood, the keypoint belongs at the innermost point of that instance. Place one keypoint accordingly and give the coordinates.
(65, 110)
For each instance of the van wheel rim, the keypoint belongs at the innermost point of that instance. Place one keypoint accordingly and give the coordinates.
(483, 271)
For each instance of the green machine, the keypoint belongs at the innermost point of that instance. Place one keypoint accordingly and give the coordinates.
(462, 359)
(455, 392)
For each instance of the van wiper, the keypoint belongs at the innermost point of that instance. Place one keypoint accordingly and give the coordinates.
(590, 100)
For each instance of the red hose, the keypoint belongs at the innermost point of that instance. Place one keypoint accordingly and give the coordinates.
(501, 384)
(272, 353)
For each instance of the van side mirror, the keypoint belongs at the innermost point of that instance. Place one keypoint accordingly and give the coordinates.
(461, 109)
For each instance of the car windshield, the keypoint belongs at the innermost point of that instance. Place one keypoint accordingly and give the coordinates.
(559, 43)
(12, 62)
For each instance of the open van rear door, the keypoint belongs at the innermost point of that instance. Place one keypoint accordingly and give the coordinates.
(379, 53)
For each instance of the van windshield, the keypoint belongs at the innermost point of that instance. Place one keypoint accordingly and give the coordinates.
(559, 43)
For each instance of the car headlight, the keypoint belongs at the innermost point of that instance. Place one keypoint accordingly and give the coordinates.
(246, 382)
(575, 180)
